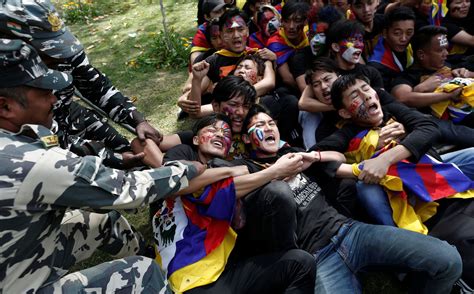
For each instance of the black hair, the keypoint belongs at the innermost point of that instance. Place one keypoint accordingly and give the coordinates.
(341, 30)
(295, 7)
(424, 35)
(229, 14)
(208, 121)
(325, 64)
(233, 86)
(16, 93)
(398, 14)
(208, 31)
(253, 111)
(341, 84)
(260, 62)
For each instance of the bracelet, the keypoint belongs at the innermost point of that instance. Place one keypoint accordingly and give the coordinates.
(319, 153)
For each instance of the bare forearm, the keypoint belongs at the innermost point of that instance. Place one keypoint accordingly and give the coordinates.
(208, 177)
(247, 183)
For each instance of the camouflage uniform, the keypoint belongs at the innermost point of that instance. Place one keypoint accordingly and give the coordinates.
(42, 230)
(37, 22)
(41, 239)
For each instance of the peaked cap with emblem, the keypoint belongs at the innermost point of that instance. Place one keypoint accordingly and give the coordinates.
(20, 65)
(38, 23)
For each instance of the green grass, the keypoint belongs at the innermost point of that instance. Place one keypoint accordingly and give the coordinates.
(125, 29)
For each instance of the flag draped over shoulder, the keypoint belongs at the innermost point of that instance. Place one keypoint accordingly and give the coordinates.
(193, 237)
(449, 109)
(282, 47)
(256, 40)
(384, 55)
(200, 42)
(426, 181)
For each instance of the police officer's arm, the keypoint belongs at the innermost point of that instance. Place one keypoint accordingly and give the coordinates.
(59, 178)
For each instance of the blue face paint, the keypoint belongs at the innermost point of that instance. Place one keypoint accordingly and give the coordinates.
(259, 134)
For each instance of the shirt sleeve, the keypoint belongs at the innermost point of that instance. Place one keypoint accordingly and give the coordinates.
(61, 179)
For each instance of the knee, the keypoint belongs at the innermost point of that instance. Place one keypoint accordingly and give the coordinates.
(305, 261)
(279, 195)
(449, 261)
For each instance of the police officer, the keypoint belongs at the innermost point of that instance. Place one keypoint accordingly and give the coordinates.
(43, 231)
(38, 23)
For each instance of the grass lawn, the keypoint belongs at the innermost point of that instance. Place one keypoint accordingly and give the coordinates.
(122, 31)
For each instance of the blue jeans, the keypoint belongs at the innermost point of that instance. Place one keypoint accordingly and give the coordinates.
(435, 264)
(463, 158)
(375, 201)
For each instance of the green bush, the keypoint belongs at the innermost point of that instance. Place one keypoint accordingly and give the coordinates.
(79, 11)
(164, 52)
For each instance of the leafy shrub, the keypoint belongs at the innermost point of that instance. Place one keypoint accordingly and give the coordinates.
(79, 10)
(164, 51)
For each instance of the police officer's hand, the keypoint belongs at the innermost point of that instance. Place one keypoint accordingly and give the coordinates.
(200, 70)
(146, 131)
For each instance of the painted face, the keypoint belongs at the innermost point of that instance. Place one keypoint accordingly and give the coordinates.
(317, 43)
(436, 54)
(248, 70)
(268, 22)
(399, 34)
(236, 110)
(362, 104)
(351, 48)
(234, 34)
(459, 8)
(293, 27)
(264, 135)
(321, 82)
(424, 7)
(365, 10)
(215, 39)
(38, 110)
(214, 140)
(340, 5)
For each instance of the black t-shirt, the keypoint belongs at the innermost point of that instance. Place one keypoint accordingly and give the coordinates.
(387, 73)
(317, 220)
(181, 152)
(367, 70)
(301, 62)
(221, 66)
(370, 38)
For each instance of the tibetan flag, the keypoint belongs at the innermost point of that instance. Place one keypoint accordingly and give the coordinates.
(449, 109)
(193, 237)
(256, 41)
(427, 180)
(384, 55)
(200, 42)
(439, 9)
(282, 47)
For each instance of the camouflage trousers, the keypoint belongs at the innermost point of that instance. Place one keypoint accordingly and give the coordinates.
(82, 233)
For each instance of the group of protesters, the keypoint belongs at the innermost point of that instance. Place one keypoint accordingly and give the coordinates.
(330, 139)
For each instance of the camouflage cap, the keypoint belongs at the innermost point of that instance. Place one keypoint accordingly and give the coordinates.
(20, 65)
(38, 23)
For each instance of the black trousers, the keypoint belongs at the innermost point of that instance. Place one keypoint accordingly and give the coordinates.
(281, 272)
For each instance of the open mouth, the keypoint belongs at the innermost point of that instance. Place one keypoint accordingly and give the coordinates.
(270, 139)
(237, 122)
(373, 108)
(217, 143)
(356, 55)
